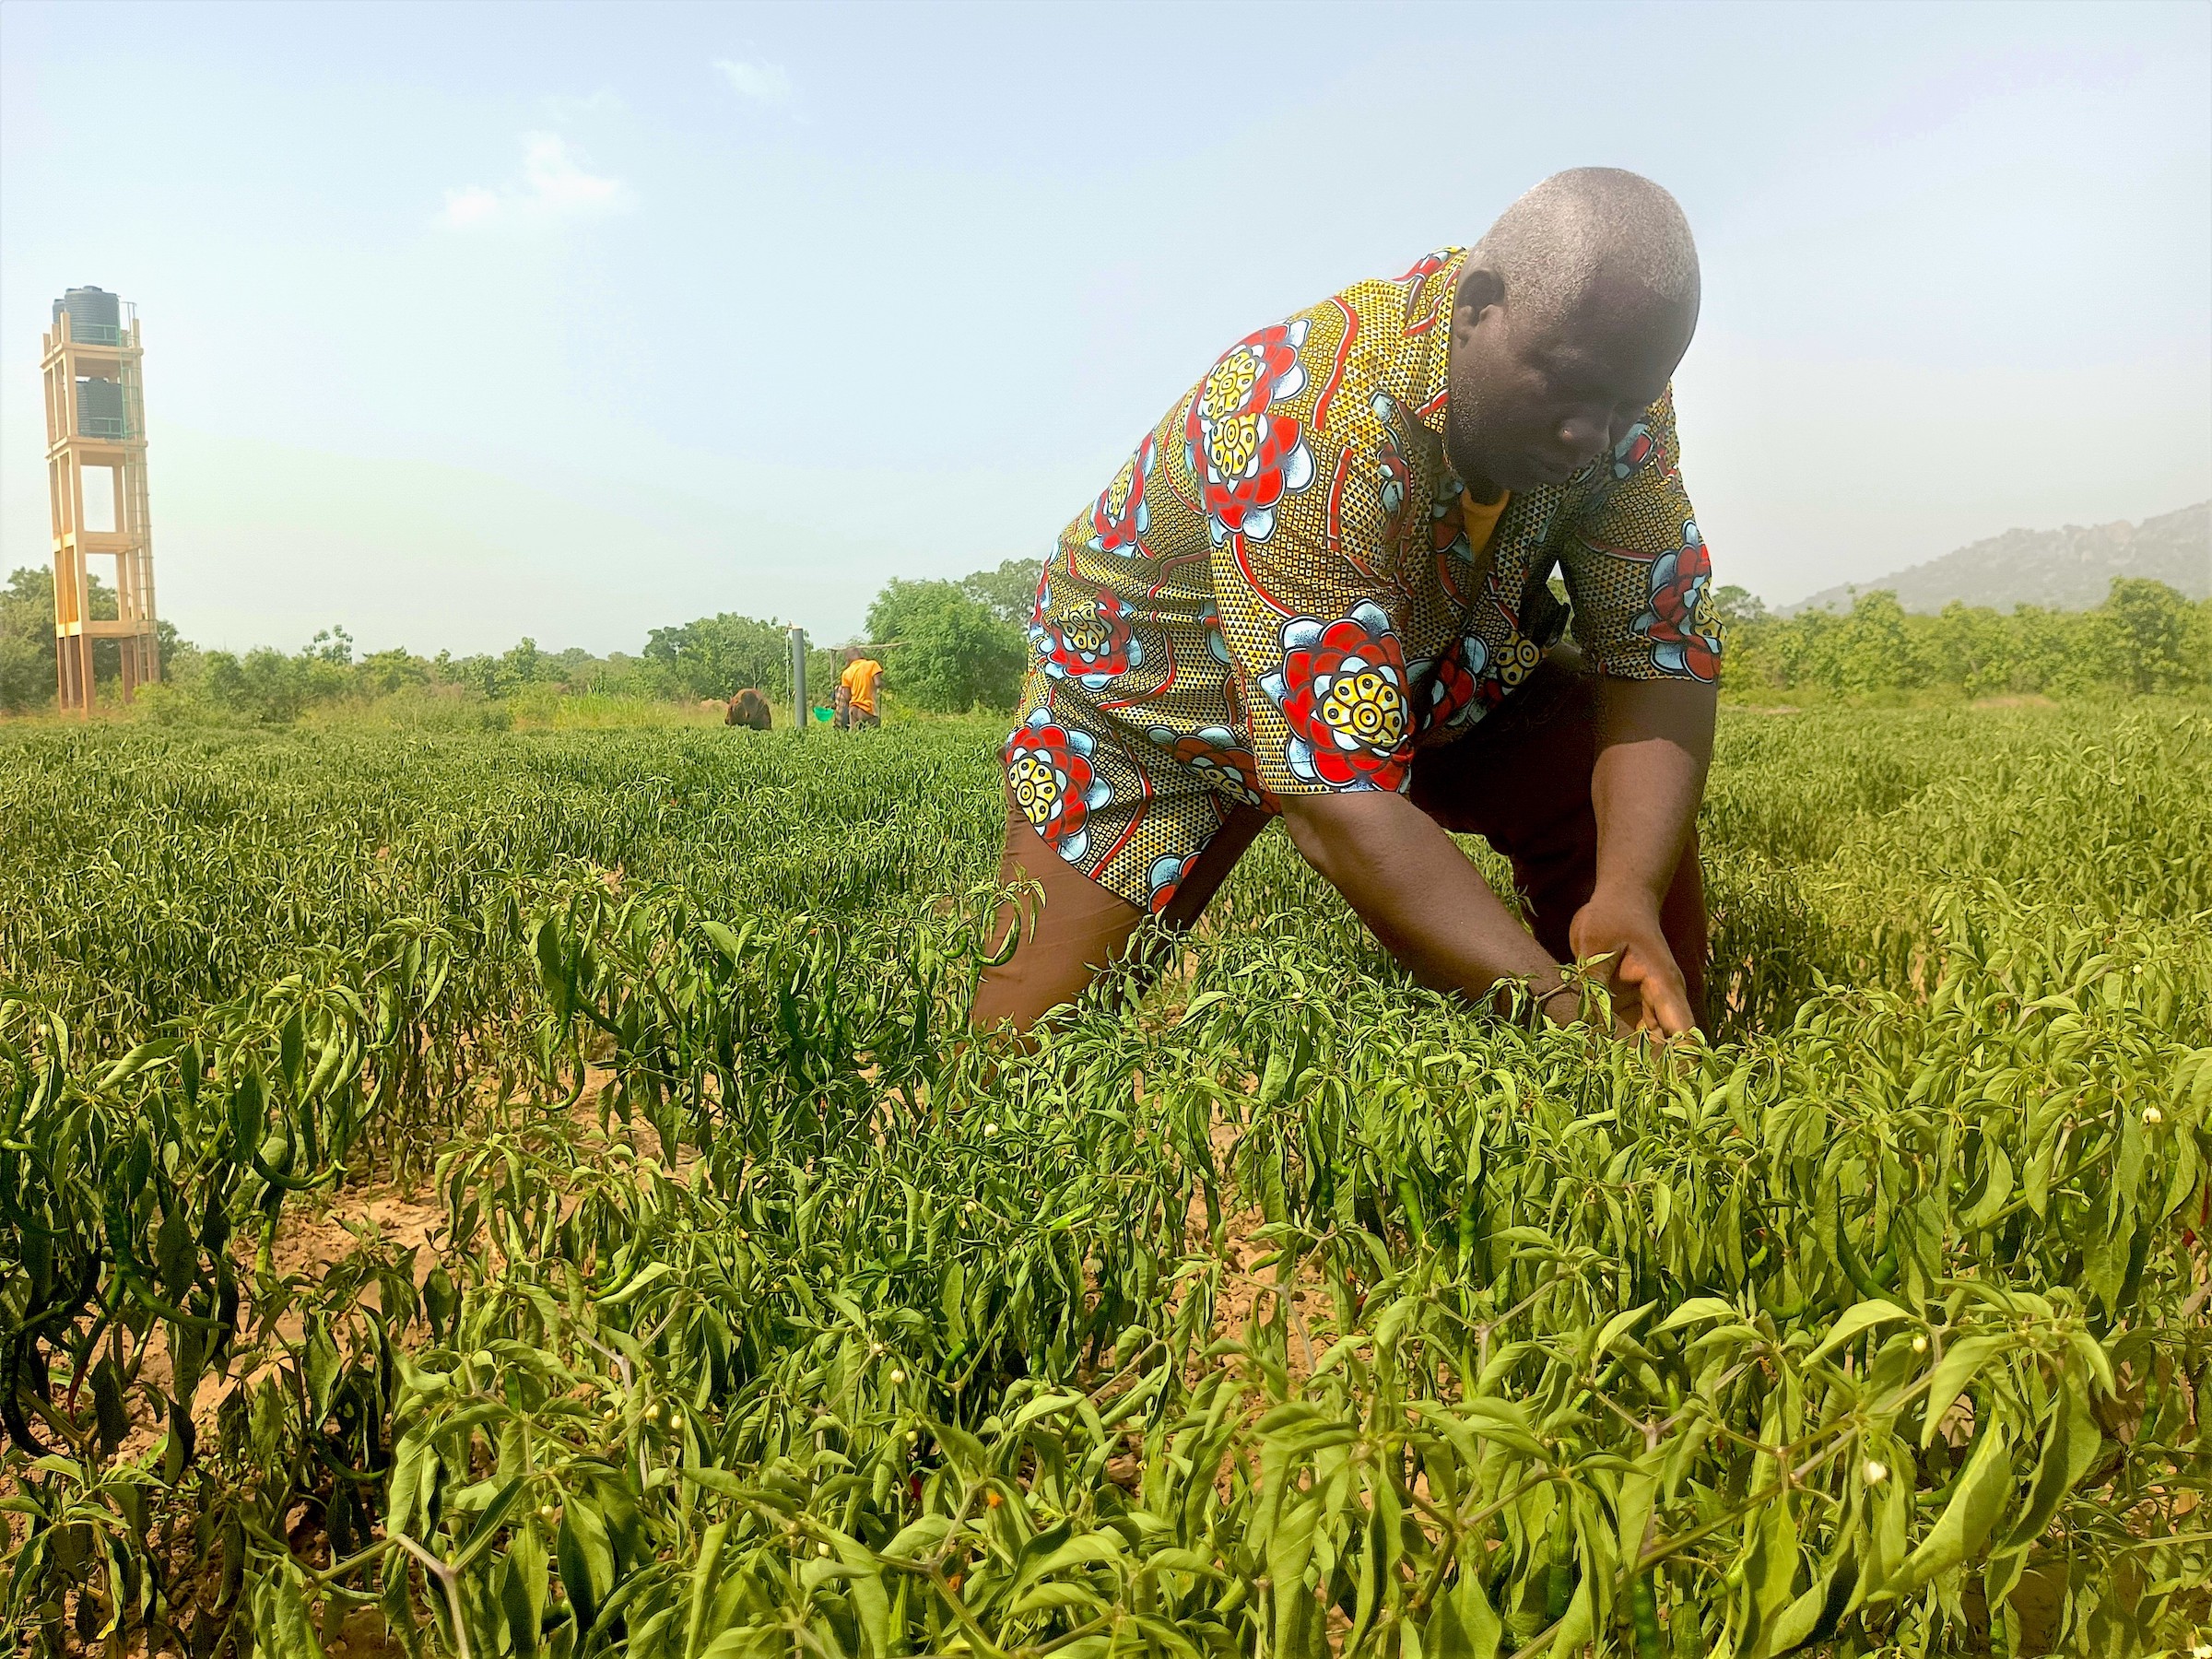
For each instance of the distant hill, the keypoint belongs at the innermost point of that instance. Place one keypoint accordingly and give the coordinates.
(2062, 570)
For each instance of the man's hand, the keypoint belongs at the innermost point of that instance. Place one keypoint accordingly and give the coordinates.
(1654, 742)
(1431, 907)
(1646, 981)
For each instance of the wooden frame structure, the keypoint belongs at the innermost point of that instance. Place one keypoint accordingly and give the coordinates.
(78, 442)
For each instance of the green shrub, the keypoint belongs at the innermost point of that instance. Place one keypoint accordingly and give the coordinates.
(950, 652)
(2147, 638)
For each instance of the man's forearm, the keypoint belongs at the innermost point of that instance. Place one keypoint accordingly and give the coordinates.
(1416, 890)
(1655, 744)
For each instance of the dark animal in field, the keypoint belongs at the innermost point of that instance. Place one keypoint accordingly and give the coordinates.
(749, 708)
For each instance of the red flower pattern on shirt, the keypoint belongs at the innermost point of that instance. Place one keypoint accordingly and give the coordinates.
(1054, 786)
(1678, 582)
(1119, 516)
(1245, 456)
(1632, 450)
(1454, 682)
(1094, 647)
(1214, 753)
(1343, 691)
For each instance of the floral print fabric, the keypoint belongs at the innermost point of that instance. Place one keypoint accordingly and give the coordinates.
(1278, 593)
(1342, 691)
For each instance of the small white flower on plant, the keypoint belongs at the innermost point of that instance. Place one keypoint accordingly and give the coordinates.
(2153, 1117)
(1876, 1472)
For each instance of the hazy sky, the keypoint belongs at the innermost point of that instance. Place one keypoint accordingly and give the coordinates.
(466, 322)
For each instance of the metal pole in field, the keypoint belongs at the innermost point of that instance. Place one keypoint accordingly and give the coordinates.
(799, 676)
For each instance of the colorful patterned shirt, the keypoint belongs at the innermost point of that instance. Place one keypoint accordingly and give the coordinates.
(1278, 595)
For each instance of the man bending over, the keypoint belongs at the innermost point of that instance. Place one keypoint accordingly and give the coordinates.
(1318, 590)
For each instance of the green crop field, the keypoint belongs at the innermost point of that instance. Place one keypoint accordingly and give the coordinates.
(1283, 1310)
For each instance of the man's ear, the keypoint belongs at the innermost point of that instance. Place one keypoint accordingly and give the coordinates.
(1480, 288)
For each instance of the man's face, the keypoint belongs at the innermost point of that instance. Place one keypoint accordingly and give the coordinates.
(1536, 399)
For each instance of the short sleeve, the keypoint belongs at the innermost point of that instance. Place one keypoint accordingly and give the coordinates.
(1636, 567)
(1313, 635)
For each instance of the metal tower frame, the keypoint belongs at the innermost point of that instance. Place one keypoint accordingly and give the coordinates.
(76, 441)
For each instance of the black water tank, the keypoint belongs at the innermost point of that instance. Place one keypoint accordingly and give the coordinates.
(94, 315)
(99, 407)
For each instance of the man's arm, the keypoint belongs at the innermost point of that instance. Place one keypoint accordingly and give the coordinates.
(1420, 895)
(1637, 569)
(1655, 743)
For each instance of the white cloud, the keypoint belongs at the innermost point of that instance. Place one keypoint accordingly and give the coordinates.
(557, 178)
(769, 83)
(470, 206)
(555, 184)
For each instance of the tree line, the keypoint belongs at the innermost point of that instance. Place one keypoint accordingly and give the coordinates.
(27, 667)
(2144, 638)
(951, 646)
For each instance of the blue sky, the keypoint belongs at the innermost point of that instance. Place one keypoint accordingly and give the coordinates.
(466, 322)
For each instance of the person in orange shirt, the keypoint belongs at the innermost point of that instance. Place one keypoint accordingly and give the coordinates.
(856, 691)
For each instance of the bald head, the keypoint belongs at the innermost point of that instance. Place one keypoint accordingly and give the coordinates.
(1570, 317)
(1587, 230)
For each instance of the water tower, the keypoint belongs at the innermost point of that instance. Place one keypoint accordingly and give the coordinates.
(96, 425)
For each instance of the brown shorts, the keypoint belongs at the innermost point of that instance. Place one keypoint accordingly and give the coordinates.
(1520, 780)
